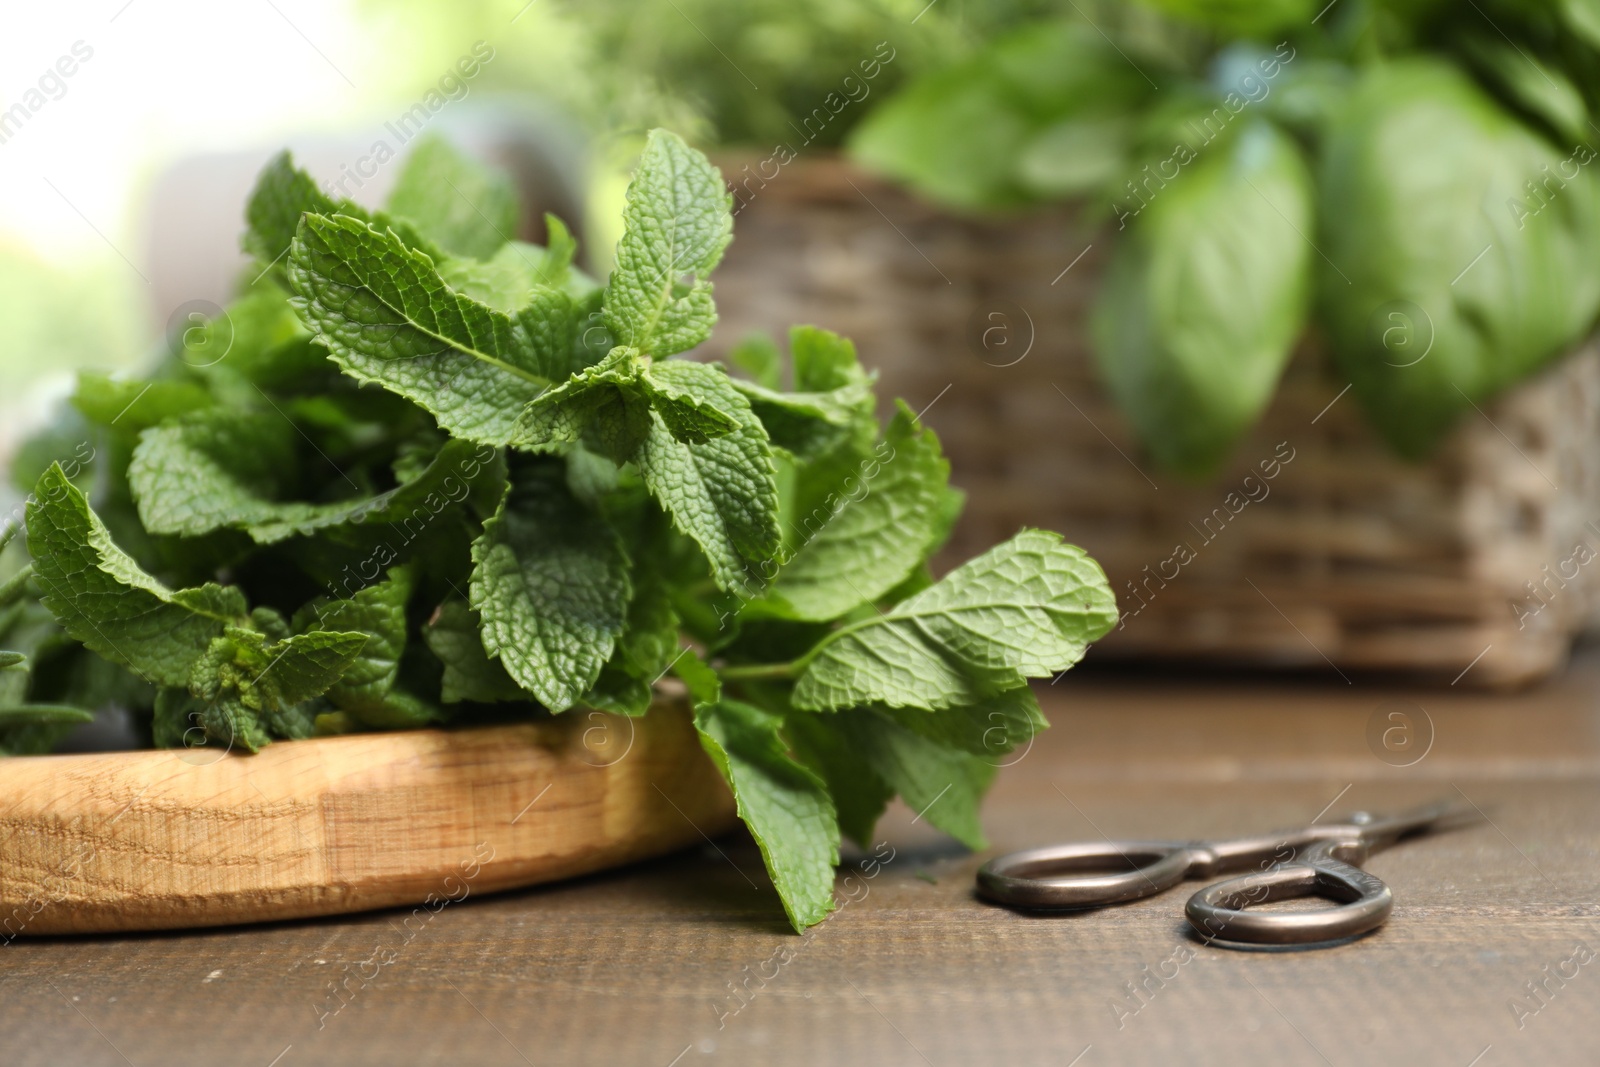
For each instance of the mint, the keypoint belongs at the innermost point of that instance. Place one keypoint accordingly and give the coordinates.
(721, 492)
(868, 518)
(785, 805)
(434, 469)
(386, 316)
(453, 634)
(551, 584)
(107, 601)
(463, 207)
(218, 469)
(1025, 609)
(678, 221)
(369, 689)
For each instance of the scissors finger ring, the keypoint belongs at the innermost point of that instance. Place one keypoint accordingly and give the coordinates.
(1319, 860)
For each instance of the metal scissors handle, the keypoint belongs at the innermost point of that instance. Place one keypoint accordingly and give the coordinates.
(1319, 860)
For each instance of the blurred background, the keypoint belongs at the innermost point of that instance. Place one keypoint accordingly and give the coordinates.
(1280, 309)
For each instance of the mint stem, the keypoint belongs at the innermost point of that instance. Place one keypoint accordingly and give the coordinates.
(756, 672)
(12, 587)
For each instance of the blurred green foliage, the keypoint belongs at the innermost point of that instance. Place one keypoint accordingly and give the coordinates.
(720, 73)
(1450, 234)
(61, 317)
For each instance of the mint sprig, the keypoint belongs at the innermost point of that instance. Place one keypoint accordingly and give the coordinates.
(443, 477)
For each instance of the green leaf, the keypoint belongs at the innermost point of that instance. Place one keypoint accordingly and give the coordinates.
(865, 532)
(834, 398)
(645, 650)
(132, 404)
(942, 785)
(677, 222)
(991, 728)
(967, 134)
(367, 689)
(1190, 363)
(36, 714)
(13, 661)
(1582, 17)
(551, 583)
(386, 316)
(469, 674)
(104, 599)
(271, 673)
(218, 469)
(1541, 89)
(758, 356)
(605, 402)
(306, 665)
(609, 405)
(858, 792)
(1458, 278)
(465, 208)
(212, 469)
(784, 804)
(723, 492)
(1026, 608)
(516, 275)
(282, 195)
(685, 395)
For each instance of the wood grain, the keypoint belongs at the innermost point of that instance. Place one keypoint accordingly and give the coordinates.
(645, 965)
(168, 839)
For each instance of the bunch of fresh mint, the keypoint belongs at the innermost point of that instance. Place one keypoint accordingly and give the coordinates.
(420, 473)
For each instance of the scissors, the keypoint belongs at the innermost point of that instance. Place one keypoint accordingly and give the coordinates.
(1319, 860)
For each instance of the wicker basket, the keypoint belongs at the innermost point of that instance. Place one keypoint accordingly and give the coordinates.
(1474, 566)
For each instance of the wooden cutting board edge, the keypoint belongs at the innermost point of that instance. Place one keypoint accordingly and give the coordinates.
(157, 840)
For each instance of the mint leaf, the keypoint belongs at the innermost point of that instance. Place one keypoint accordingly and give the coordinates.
(605, 402)
(991, 728)
(212, 469)
(723, 492)
(246, 682)
(833, 400)
(561, 248)
(646, 649)
(942, 785)
(131, 404)
(510, 279)
(859, 793)
(866, 523)
(104, 599)
(677, 224)
(758, 356)
(784, 804)
(609, 404)
(469, 673)
(224, 468)
(367, 689)
(1026, 608)
(306, 665)
(282, 195)
(386, 316)
(551, 583)
(686, 396)
(465, 208)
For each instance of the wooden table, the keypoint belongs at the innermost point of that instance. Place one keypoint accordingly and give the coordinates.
(641, 966)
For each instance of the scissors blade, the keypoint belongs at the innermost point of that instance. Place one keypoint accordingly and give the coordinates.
(1428, 818)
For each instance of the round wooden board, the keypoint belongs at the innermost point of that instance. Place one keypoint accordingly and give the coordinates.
(179, 838)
